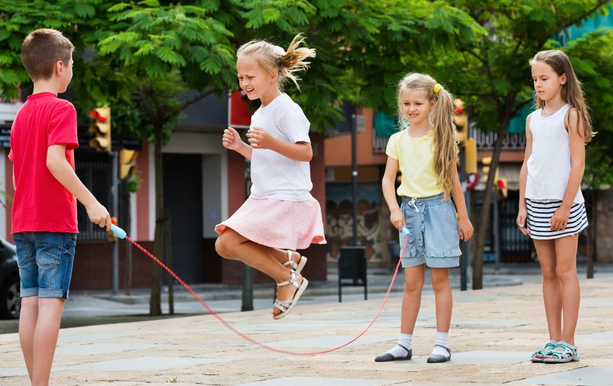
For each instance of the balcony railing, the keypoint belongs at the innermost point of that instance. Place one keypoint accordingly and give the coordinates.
(485, 141)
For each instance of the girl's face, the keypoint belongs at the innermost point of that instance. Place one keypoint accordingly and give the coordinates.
(416, 106)
(547, 83)
(253, 79)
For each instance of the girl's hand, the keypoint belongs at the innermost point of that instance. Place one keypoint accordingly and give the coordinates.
(465, 228)
(231, 139)
(560, 219)
(397, 219)
(260, 138)
(522, 215)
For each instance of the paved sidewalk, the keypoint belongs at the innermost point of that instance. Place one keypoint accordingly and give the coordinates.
(493, 334)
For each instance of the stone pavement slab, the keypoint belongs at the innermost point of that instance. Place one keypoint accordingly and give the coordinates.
(589, 376)
(310, 381)
(493, 333)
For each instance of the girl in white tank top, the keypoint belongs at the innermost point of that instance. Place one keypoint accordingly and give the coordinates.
(551, 206)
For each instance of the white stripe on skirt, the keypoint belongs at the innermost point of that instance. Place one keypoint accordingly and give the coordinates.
(540, 213)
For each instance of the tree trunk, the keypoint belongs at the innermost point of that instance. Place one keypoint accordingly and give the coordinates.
(155, 302)
(506, 114)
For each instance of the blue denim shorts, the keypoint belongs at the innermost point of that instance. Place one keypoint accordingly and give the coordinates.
(45, 263)
(433, 232)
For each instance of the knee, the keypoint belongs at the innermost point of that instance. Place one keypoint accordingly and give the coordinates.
(413, 287)
(222, 246)
(549, 273)
(566, 273)
(440, 284)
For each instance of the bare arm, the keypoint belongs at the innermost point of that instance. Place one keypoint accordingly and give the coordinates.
(465, 227)
(523, 177)
(63, 172)
(261, 139)
(387, 185)
(577, 156)
(232, 140)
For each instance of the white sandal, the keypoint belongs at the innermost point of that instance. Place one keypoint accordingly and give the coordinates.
(286, 306)
(291, 263)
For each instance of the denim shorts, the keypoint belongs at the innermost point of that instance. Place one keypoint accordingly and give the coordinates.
(45, 263)
(433, 233)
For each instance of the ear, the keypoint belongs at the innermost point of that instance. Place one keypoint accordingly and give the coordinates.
(58, 68)
(274, 76)
(563, 79)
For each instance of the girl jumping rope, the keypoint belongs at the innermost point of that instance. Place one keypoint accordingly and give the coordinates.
(280, 215)
(550, 195)
(425, 151)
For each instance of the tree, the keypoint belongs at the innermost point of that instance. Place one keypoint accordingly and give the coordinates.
(493, 74)
(161, 57)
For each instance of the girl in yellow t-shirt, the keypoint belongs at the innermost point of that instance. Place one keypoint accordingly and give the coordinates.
(425, 151)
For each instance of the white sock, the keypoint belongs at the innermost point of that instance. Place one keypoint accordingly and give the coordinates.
(406, 341)
(441, 340)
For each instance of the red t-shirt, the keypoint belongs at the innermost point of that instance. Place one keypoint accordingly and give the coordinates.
(41, 203)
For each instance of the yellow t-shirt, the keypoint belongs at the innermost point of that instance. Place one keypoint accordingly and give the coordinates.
(416, 162)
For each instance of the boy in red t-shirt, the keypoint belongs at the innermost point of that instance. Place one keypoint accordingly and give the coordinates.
(44, 218)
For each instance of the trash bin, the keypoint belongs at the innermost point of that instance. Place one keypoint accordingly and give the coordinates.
(352, 269)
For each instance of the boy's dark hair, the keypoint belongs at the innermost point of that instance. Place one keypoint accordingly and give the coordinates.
(43, 48)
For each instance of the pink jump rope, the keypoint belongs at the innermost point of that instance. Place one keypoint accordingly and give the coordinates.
(120, 233)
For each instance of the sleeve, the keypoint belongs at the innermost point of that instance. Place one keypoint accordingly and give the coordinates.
(392, 146)
(63, 127)
(295, 125)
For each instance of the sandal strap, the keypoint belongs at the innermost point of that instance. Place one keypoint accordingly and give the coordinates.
(293, 280)
(568, 351)
(289, 261)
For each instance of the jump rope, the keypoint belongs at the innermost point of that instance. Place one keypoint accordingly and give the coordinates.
(120, 233)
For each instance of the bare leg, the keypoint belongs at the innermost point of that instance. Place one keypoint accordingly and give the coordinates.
(566, 253)
(552, 295)
(27, 324)
(45, 338)
(411, 300)
(232, 245)
(444, 299)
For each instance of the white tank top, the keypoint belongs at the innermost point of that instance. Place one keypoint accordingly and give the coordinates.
(550, 163)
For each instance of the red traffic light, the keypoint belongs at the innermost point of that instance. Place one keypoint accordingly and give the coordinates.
(96, 115)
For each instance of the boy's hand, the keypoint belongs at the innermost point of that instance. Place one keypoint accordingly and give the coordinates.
(260, 138)
(397, 219)
(231, 139)
(99, 215)
(465, 229)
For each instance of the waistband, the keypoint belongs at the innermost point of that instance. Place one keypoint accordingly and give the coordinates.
(438, 197)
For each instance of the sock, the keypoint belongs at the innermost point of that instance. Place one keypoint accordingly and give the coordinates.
(441, 339)
(406, 341)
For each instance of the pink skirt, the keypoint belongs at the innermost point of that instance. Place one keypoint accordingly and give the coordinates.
(278, 223)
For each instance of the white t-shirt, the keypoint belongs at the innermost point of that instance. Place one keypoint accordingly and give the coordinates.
(273, 175)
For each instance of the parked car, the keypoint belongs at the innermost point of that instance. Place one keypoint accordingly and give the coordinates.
(10, 302)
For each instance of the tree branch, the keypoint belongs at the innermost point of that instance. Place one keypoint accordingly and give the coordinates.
(586, 14)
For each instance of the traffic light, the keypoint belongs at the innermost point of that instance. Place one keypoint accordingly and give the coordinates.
(101, 129)
(470, 150)
(461, 121)
(127, 161)
(486, 169)
(503, 187)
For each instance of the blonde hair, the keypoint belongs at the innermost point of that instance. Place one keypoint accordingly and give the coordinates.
(572, 93)
(275, 58)
(441, 117)
(41, 49)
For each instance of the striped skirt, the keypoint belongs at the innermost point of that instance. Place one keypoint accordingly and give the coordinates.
(540, 213)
